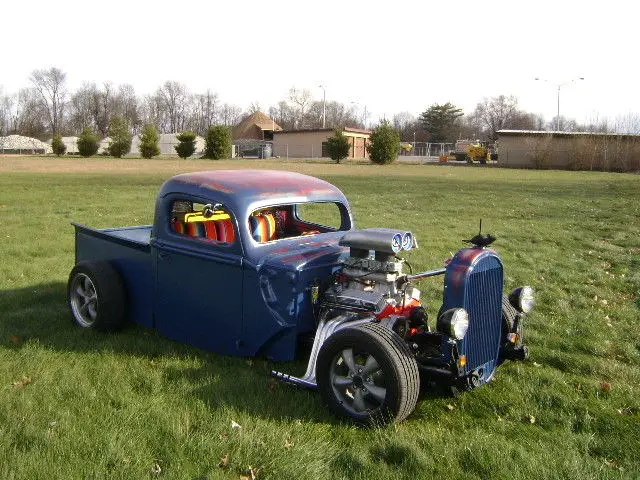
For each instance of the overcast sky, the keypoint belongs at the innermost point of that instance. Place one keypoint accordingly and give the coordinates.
(388, 56)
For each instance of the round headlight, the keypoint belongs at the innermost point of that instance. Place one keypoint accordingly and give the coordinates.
(522, 299)
(454, 322)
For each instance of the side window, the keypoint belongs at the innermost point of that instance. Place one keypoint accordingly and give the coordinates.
(286, 221)
(321, 214)
(202, 222)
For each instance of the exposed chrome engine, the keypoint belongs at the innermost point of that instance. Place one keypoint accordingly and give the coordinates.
(370, 286)
(369, 278)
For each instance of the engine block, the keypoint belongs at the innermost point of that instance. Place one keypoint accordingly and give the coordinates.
(369, 277)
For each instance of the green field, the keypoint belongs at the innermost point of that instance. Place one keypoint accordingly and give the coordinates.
(132, 405)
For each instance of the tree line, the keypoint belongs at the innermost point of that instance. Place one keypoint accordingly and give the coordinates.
(445, 123)
(48, 108)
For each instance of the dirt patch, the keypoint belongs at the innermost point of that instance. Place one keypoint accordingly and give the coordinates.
(172, 166)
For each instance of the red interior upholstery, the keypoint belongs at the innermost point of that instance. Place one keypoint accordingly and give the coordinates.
(216, 230)
(195, 229)
(177, 226)
(210, 230)
(263, 227)
(224, 231)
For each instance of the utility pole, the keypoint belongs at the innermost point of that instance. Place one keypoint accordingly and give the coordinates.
(324, 105)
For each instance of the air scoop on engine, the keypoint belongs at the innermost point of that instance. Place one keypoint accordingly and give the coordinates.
(377, 272)
(384, 241)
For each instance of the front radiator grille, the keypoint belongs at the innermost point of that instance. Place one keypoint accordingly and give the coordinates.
(483, 294)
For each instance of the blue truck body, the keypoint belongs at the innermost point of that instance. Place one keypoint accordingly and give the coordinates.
(232, 265)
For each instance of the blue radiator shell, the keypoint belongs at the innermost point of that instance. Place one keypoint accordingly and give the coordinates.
(473, 281)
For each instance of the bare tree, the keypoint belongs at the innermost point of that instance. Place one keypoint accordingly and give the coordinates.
(301, 99)
(337, 115)
(174, 98)
(564, 124)
(230, 115)
(283, 115)
(205, 111)
(148, 111)
(29, 114)
(597, 124)
(125, 104)
(81, 108)
(254, 107)
(6, 107)
(406, 125)
(629, 123)
(496, 113)
(50, 85)
(92, 107)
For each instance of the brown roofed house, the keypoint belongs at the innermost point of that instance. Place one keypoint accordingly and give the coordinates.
(256, 126)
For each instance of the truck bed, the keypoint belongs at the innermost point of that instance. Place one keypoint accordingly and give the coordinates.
(137, 237)
(128, 250)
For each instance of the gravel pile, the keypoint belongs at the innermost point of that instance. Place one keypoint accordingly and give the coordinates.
(20, 144)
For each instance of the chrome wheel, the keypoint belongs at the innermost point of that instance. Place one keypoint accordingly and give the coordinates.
(358, 381)
(367, 374)
(83, 300)
(96, 296)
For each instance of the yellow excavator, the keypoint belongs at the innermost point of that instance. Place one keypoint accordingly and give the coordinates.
(472, 151)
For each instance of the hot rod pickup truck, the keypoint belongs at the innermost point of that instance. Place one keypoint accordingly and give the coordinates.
(249, 262)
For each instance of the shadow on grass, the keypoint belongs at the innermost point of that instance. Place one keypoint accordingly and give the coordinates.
(38, 316)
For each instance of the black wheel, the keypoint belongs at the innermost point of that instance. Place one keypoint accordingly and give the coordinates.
(511, 348)
(510, 322)
(368, 374)
(96, 296)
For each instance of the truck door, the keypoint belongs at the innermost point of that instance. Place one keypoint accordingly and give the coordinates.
(198, 264)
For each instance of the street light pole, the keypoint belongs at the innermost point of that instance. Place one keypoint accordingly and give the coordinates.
(558, 111)
(558, 99)
(324, 105)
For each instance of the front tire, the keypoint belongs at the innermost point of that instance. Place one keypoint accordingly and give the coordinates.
(511, 325)
(96, 296)
(367, 374)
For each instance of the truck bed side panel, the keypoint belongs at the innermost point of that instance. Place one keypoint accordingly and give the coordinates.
(129, 253)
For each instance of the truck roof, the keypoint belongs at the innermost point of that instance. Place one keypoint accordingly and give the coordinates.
(244, 190)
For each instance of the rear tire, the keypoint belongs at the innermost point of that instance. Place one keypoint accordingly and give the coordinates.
(367, 374)
(96, 296)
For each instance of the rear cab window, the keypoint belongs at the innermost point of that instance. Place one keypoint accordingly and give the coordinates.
(210, 223)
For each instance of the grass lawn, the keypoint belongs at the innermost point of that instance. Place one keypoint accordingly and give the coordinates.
(79, 404)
